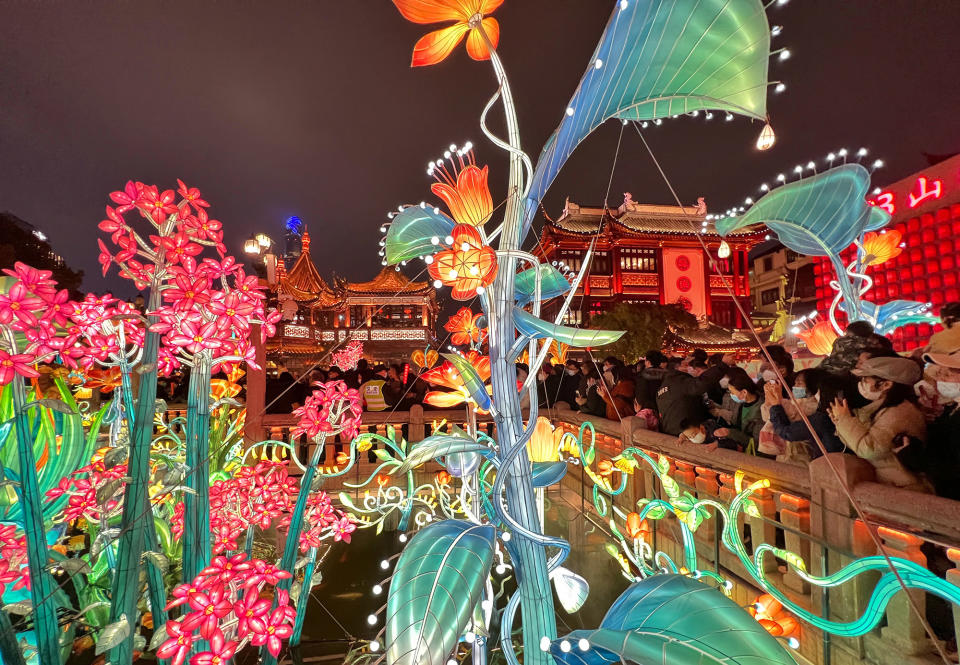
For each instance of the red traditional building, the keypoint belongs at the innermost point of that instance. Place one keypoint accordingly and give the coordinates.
(925, 209)
(651, 254)
(391, 314)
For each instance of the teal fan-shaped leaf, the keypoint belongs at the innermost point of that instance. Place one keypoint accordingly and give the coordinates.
(471, 380)
(820, 215)
(439, 445)
(436, 586)
(659, 58)
(412, 231)
(675, 620)
(535, 328)
(552, 284)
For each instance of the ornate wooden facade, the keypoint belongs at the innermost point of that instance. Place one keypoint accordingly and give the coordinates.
(650, 253)
(391, 314)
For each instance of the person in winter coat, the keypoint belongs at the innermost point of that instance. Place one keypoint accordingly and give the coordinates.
(856, 339)
(681, 395)
(619, 399)
(588, 398)
(814, 391)
(874, 431)
(649, 379)
(747, 421)
(942, 463)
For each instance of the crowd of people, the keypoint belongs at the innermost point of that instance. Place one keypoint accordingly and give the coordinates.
(899, 413)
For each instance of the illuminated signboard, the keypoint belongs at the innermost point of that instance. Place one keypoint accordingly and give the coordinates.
(921, 192)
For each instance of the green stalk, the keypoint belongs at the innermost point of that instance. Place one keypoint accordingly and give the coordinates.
(125, 590)
(292, 545)
(537, 610)
(304, 598)
(196, 514)
(41, 584)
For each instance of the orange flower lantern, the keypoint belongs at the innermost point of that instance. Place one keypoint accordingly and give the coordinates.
(636, 527)
(770, 614)
(435, 46)
(383, 480)
(881, 247)
(463, 327)
(467, 266)
(819, 338)
(443, 478)
(448, 376)
(605, 467)
(468, 197)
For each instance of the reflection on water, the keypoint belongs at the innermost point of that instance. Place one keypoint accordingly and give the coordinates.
(340, 604)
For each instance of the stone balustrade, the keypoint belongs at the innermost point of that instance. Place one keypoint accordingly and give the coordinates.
(805, 510)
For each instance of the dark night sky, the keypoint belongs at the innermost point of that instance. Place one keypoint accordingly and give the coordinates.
(309, 108)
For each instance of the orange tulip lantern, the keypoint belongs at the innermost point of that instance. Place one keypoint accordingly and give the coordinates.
(447, 375)
(637, 528)
(819, 338)
(435, 46)
(443, 478)
(383, 480)
(770, 614)
(463, 327)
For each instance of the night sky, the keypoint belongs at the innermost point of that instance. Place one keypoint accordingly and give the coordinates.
(303, 108)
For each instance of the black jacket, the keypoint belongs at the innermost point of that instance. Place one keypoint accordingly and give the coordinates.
(681, 397)
(647, 385)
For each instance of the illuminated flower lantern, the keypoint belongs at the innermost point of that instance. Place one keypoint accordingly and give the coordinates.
(881, 247)
(768, 611)
(435, 46)
(468, 266)
(636, 527)
(819, 338)
(544, 445)
(463, 327)
(448, 376)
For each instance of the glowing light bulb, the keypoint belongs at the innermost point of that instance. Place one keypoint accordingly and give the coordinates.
(377, 589)
(811, 165)
(448, 240)
(434, 240)
(403, 538)
(776, 30)
(583, 644)
(453, 147)
(481, 290)
(644, 124)
(877, 163)
(624, 4)
(842, 152)
(862, 152)
(470, 637)
(767, 138)
(428, 259)
(372, 619)
(565, 646)
(709, 115)
(570, 111)
(764, 187)
(781, 87)
(506, 537)
(598, 63)
(453, 273)
(437, 283)
(545, 641)
(383, 229)
(724, 250)
(831, 157)
(876, 190)
(798, 169)
(474, 270)
(374, 646)
(748, 201)
(446, 154)
(793, 643)
(384, 564)
(784, 54)
(728, 117)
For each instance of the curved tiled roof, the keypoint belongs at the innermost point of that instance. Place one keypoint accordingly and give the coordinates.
(390, 282)
(640, 218)
(304, 283)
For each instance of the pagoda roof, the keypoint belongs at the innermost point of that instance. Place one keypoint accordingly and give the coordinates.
(710, 336)
(304, 283)
(389, 282)
(632, 217)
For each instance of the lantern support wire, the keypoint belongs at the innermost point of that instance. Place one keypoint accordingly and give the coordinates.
(871, 528)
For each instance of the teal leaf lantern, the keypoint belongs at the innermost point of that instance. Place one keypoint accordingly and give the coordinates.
(820, 215)
(535, 328)
(552, 284)
(673, 619)
(413, 231)
(439, 445)
(436, 586)
(659, 58)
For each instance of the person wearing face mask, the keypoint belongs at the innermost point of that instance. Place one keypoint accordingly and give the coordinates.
(588, 398)
(610, 365)
(770, 443)
(649, 379)
(873, 431)
(814, 391)
(569, 382)
(696, 432)
(942, 454)
(745, 425)
(681, 394)
(619, 399)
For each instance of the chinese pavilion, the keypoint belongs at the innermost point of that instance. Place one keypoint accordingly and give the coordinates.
(391, 314)
(651, 254)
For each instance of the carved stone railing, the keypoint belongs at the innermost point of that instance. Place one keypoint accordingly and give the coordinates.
(804, 509)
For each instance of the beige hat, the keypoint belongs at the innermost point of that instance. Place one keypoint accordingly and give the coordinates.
(898, 370)
(951, 360)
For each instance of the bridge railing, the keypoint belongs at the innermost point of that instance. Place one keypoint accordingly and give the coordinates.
(804, 510)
